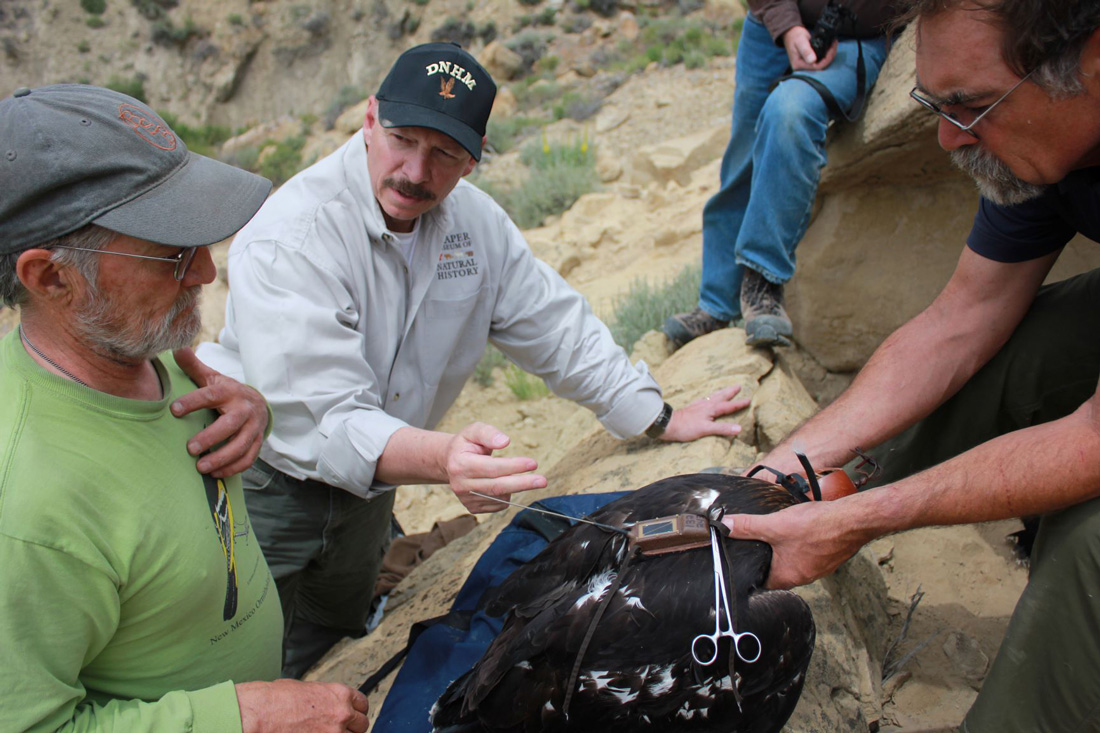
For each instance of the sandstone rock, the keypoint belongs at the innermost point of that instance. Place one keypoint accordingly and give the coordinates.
(676, 160)
(584, 69)
(783, 405)
(967, 655)
(351, 119)
(652, 348)
(501, 62)
(569, 77)
(608, 168)
(611, 117)
(891, 210)
(628, 26)
(280, 129)
(319, 145)
(505, 104)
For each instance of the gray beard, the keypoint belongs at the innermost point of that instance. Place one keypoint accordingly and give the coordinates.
(128, 340)
(995, 180)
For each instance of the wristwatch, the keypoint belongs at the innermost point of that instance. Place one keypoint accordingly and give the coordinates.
(657, 429)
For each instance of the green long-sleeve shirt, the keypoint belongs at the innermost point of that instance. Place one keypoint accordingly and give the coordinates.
(132, 590)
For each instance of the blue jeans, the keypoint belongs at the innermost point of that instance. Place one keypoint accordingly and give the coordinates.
(772, 164)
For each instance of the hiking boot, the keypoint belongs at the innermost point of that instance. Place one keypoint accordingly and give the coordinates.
(684, 327)
(766, 322)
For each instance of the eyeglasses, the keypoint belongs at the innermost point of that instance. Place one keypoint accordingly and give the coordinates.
(182, 260)
(959, 120)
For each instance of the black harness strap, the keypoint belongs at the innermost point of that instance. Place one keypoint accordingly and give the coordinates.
(456, 619)
(574, 675)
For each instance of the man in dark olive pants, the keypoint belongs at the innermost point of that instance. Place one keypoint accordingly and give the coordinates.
(985, 406)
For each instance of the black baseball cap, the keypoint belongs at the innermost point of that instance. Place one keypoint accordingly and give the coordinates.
(441, 87)
(72, 154)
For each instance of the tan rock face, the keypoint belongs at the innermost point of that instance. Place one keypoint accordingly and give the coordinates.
(892, 218)
(226, 62)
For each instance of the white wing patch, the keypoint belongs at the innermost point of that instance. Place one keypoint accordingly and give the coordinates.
(596, 588)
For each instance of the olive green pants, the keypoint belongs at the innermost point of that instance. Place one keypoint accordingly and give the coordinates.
(1046, 677)
(324, 547)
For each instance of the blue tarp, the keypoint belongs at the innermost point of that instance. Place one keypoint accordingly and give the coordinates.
(445, 650)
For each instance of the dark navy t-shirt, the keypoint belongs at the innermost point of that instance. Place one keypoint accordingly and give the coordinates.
(1043, 225)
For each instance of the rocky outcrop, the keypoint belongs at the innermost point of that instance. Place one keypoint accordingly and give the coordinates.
(891, 220)
(224, 62)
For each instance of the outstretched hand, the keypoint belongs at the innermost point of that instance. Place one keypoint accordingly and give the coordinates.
(471, 466)
(240, 425)
(700, 418)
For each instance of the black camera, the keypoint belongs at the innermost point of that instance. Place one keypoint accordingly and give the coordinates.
(828, 26)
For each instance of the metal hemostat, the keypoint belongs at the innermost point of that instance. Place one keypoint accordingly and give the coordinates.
(670, 534)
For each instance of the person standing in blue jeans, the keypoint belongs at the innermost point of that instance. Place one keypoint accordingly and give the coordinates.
(773, 162)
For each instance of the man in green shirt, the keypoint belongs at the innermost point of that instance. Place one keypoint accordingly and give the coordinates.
(133, 594)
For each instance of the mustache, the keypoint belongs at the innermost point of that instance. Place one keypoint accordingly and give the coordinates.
(407, 188)
(995, 179)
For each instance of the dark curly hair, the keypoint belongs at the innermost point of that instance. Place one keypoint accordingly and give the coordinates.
(1044, 37)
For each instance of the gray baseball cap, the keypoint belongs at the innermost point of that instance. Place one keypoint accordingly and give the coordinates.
(72, 155)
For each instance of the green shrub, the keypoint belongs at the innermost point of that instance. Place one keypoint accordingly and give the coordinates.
(284, 161)
(504, 132)
(245, 158)
(154, 9)
(576, 106)
(530, 45)
(644, 307)
(235, 19)
(561, 174)
(546, 16)
(167, 33)
(575, 24)
(490, 360)
(534, 95)
(453, 30)
(606, 8)
(549, 193)
(670, 41)
(545, 156)
(203, 139)
(134, 86)
(695, 59)
(94, 21)
(83, 47)
(348, 96)
(94, 7)
(523, 385)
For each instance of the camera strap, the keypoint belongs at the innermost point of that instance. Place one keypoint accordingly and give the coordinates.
(827, 96)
